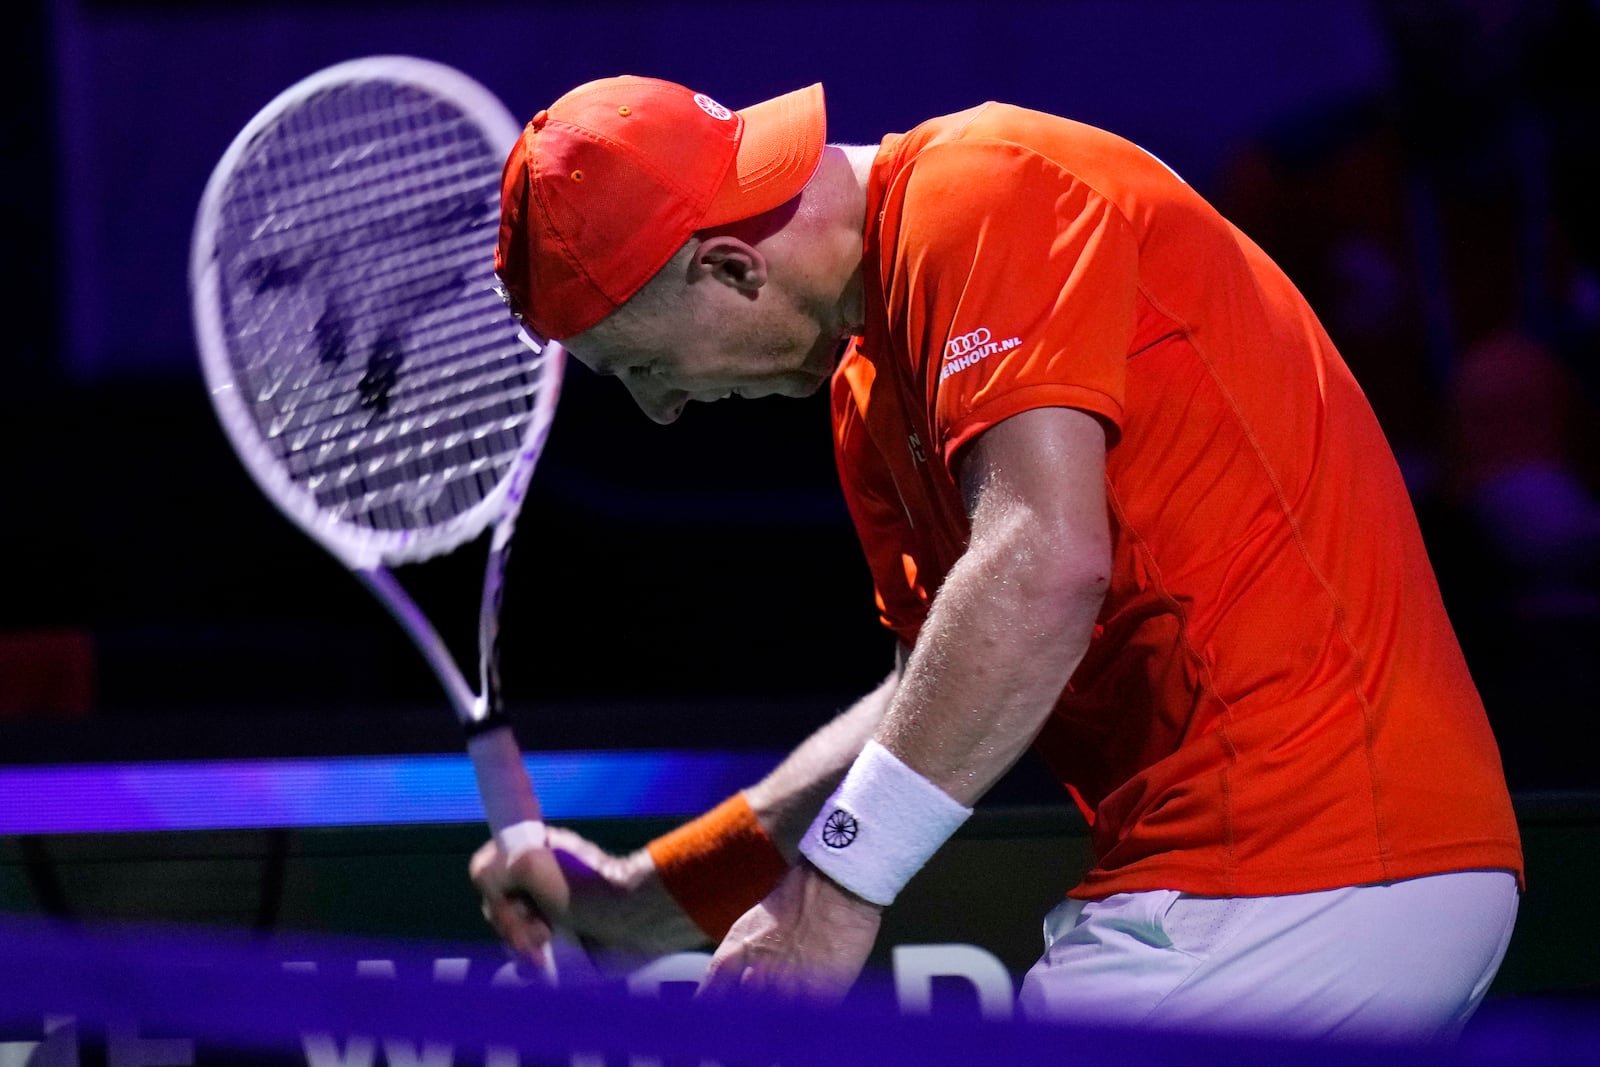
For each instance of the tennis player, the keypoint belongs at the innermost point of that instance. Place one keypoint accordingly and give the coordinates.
(1122, 501)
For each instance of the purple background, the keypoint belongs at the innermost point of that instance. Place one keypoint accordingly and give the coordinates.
(152, 94)
(711, 565)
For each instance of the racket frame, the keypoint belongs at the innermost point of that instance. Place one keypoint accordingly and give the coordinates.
(509, 801)
(357, 547)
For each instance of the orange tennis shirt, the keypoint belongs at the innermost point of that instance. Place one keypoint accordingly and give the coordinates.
(1274, 700)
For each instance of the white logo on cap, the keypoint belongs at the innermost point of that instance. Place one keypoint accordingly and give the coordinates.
(711, 107)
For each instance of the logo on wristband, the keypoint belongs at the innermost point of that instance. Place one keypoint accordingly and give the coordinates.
(840, 829)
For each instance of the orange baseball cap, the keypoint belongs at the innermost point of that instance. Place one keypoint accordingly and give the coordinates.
(608, 182)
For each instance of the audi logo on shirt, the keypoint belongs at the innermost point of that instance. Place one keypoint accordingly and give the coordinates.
(967, 342)
(962, 352)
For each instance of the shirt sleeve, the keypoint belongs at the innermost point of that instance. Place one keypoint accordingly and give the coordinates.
(1015, 288)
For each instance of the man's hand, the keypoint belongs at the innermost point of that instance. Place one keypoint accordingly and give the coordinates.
(522, 900)
(809, 939)
(614, 902)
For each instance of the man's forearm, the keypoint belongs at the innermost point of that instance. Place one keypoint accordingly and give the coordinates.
(1007, 630)
(787, 799)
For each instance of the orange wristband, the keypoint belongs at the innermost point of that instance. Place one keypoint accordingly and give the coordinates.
(720, 865)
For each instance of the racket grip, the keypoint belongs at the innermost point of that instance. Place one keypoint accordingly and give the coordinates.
(509, 802)
(508, 798)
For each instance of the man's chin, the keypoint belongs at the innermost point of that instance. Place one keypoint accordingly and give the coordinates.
(801, 385)
(791, 385)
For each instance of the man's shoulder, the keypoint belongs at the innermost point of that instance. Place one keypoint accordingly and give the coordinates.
(968, 155)
(996, 124)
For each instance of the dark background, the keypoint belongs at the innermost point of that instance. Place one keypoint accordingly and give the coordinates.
(1424, 169)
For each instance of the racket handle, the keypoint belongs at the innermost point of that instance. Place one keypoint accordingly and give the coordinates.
(509, 802)
(508, 798)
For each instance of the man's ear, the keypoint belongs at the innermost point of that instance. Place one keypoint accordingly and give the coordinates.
(732, 262)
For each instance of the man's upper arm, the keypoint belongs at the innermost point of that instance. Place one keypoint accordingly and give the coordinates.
(1036, 481)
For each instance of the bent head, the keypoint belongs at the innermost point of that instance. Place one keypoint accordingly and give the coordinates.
(663, 239)
(714, 323)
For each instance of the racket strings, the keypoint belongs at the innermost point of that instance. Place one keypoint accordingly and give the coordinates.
(353, 467)
(474, 389)
(461, 362)
(462, 426)
(322, 199)
(346, 127)
(466, 427)
(389, 241)
(375, 357)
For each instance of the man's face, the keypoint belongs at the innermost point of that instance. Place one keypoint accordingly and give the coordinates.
(766, 347)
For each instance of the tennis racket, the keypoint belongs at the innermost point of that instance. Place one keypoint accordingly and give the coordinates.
(361, 360)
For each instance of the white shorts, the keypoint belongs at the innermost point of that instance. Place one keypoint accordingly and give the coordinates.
(1402, 961)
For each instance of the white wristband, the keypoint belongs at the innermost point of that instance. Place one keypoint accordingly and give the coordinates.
(880, 826)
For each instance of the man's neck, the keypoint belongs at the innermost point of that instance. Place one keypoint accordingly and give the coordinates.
(860, 159)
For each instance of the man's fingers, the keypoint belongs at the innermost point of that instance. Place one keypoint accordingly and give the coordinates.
(510, 917)
(753, 981)
(726, 973)
(484, 863)
(520, 926)
(539, 877)
(750, 974)
(503, 913)
(508, 905)
(533, 940)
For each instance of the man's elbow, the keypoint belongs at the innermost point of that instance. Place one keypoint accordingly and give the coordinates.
(1077, 588)
(1065, 581)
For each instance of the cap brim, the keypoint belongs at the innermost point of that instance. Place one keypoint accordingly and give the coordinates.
(779, 151)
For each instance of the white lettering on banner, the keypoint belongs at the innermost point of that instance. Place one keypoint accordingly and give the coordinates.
(451, 970)
(510, 977)
(58, 1049)
(914, 969)
(397, 1051)
(322, 1050)
(686, 967)
(124, 1048)
(679, 968)
(916, 966)
(404, 1053)
(970, 348)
